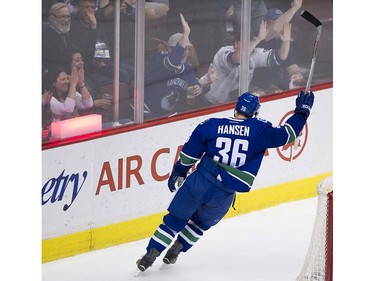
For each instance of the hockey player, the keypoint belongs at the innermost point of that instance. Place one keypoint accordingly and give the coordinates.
(230, 151)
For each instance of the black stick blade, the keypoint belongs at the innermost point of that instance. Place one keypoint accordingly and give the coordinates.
(309, 17)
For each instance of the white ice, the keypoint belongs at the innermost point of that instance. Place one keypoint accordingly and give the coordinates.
(266, 245)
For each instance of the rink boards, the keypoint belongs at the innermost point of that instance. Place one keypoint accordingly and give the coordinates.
(113, 190)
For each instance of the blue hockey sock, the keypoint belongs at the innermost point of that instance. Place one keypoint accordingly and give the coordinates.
(161, 239)
(190, 235)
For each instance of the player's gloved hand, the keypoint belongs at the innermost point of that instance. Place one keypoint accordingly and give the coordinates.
(304, 103)
(175, 180)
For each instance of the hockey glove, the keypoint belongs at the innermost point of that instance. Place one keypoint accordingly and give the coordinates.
(177, 176)
(304, 103)
(175, 181)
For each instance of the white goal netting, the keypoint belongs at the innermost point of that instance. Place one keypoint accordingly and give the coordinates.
(318, 261)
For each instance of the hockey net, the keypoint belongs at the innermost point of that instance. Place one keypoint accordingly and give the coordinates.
(318, 262)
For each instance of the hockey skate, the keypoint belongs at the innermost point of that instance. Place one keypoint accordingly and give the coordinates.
(173, 252)
(148, 259)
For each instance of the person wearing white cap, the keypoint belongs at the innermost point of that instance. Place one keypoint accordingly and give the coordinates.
(169, 75)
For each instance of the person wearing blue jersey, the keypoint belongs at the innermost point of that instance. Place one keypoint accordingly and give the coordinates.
(230, 152)
(170, 75)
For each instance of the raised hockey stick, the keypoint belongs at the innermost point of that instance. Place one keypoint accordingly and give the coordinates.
(310, 18)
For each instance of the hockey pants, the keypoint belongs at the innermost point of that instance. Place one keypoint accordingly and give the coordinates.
(197, 205)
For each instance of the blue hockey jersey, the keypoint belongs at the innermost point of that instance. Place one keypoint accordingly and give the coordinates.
(237, 146)
(166, 81)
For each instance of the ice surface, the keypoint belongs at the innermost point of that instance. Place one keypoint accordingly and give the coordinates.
(267, 245)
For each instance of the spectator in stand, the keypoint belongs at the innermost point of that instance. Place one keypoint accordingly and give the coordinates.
(90, 38)
(46, 5)
(46, 109)
(205, 79)
(276, 26)
(102, 97)
(284, 77)
(70, 96)
(208, 78)
(155, 18)
(227, 62)
(56, 38)
(105, 16)
(169, 75)
(207, 23)
(72, 5)
(154, 9)
(84, 30)
(101, 104)
(258, 11)
(46, 115)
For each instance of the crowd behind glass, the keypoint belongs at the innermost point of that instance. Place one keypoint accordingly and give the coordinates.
(192, 54)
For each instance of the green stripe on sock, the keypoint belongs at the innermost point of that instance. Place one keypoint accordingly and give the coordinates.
(162, 237)
(190, 236)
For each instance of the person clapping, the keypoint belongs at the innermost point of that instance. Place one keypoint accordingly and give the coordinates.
(70, 96)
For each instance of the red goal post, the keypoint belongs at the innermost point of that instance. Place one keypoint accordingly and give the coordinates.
(319, 259)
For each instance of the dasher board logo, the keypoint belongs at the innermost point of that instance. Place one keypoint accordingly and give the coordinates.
(288, 152)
